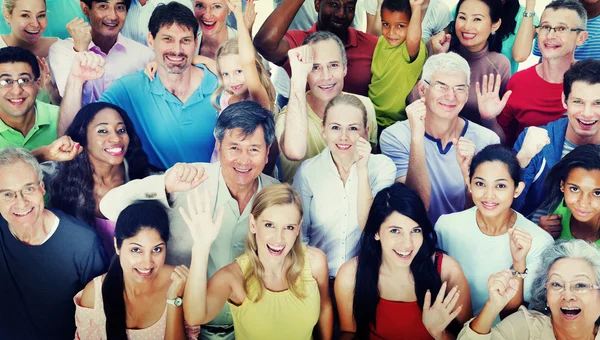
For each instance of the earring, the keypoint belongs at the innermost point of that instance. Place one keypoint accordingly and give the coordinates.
(493, 32)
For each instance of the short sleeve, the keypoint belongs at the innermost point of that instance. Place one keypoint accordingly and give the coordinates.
(386, 175)
(95, 263)
(370, 6)
(115, 94)
(397, 147)
(86, 319)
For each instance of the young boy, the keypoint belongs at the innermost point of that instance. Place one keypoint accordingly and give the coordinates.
(398, 59)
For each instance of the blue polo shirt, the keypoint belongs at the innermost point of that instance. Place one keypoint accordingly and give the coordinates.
(170, 131)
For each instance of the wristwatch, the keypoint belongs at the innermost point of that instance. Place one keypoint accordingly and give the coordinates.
(177, 302)
(522, 275)
(528, 14)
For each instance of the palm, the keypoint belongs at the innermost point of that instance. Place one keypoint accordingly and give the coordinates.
(199, 218)
(490, 105)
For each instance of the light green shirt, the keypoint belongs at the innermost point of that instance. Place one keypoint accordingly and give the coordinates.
(565, 221)
(43, 132)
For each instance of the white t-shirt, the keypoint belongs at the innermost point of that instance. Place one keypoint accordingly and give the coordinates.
(481, 255)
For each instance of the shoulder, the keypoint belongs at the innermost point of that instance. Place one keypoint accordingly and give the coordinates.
(47, 109)
(541, 238)
(61, 45)
(365, 38)
(450, 268)
(78, 229)
(454, 220)
(481, 135)
(88, 295)
(296, 37)
(318, 262)
(229, 274)
(399, 131)
(346, 275)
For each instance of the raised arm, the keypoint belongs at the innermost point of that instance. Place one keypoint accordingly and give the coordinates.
(365, 195)
(270, 41)
(520, 244)
(523, 43)
(489, 103)
(536, 139)
(413, 36)
(374, 22)
(61, 150)
(294, 140)
(417, 177)
(175, 325)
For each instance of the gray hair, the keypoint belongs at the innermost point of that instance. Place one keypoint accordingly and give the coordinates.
(446, 63)
(572, 5)
(318, 36)
(10, 155)
(248, 116)
(9, 5)
(573, 249)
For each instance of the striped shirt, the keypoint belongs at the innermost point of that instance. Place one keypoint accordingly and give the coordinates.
(591, 46)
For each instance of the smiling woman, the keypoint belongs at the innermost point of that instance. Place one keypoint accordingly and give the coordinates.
(212, 16)
(27, 20)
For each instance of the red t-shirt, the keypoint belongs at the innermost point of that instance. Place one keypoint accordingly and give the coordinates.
(359, 52)
(533, 102)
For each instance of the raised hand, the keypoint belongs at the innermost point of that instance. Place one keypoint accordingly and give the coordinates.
(440, 42)
(200, 221)
(178, 277)
(416, 112)
(535, 140)
(62, 150)
(502, 287)
(465, 150)
(235, 6)
(184, 177)
(438, 316)
(301, 61)
(46, 79)
(81, 32)
(520, 244)
(552, 224)
(250, 14)
(87, 66)
(488, 97)
(362, 153)
(150, 69)
(416, 3)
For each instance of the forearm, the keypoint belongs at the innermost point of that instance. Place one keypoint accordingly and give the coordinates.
(417, 177)
(294, 140)
(326, 322)
(413, 36)
(493, 125)
(484, 321)
(71, 104)
(523, 43)
(523, 159)
(365, 198)
(268, 38)
(40, 153)
(194, 296)
(175, 325)
(375, 28)
(518, 299)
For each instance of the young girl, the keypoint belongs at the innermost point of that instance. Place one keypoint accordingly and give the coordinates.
(574, 187)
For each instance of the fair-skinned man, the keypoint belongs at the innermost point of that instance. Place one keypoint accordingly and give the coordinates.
(540, 148)
(47, 256)
(138, 16)
(172, 114)
(320, 62)
(24, 121)
(536, 91)
(100, 36)
(244, 132)
(434, 147)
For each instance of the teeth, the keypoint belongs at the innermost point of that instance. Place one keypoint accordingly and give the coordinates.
(16, 101)
(570, 308)
(591, 122)
(32, 32)
(144, 271)
(327, 87)
(468, 35)
(242, 170)
(114, 149)
(402, 253)
(209, 23)
(111, 25)
(24, 213)
(275, 248)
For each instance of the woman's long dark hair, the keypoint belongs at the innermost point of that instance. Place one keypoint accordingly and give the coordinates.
(397, 198)
(138, 216)
(72, 190)
(497, 12)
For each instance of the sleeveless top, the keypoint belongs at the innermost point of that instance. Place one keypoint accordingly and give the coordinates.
(277, 315)
(401, 320)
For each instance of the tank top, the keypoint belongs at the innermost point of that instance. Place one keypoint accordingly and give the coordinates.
(277, 315)
(401, 320)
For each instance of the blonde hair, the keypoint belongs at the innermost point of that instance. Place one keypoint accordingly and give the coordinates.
(277, 194)
(9, 5)
(230, 47)
(346, 99)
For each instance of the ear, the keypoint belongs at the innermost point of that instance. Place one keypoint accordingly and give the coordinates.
(519, 189)
(345, 70)
(564, 100)
(317, 5)
(150, 40)
(496, 25)
(115, 244)
(377, 238)
(267, 154)
(562, 186)
(581, 38)
(252, 224)
(7, 16)
(421, 88)
(367, 132)
(43, 188)
(323, 130)
(85, 9)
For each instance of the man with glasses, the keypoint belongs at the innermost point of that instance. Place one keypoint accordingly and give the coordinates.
(24, 121)
(433, 148)
(536, 91)
(46, 256)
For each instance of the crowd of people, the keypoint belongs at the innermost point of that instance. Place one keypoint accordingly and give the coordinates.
(357, 169)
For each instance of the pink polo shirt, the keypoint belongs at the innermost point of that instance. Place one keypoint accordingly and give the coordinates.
(359, 52)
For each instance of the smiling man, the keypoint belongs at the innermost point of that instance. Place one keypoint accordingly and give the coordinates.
(101, 36)
(24, 121)
(172, 114)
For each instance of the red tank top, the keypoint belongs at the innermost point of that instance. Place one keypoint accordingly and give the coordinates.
(401, 320)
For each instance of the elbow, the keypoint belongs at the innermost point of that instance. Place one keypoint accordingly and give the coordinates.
(294, 155)
(265, 41)
(519, 58)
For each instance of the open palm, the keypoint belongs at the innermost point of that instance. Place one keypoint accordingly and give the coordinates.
(199, 219)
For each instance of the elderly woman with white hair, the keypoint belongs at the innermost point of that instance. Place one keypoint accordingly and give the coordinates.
(565, 300)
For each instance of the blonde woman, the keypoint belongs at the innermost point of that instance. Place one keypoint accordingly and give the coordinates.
(277, 288)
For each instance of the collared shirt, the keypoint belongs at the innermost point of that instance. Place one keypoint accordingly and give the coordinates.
(125, 57)
(330, 220)
(231, 33)
(138, 16)
(43, 132)
(170, 131)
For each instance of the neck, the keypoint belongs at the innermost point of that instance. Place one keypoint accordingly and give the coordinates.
(391, 268)
(589, 230)
(106, 173)
(22, 124)
(496, 225)
(342, 35)
(593, 10)
(35, 233)
(177, 84)
(215, 40)
(316, 105)
(13, 40)
(443, 129)
(242, 193)
(574, 333)
(553, 70)
(343, 164)
(275, 267)
(581, 140)
(136, 289)
(476, 49)
(143, 2)
(104, 43)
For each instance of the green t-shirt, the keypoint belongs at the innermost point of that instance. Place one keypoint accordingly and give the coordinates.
(43, 132)
(565, 221)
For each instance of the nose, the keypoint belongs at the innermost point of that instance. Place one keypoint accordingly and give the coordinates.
(114, 137)
(326, 73)
(16, 88)
(567, 294)
(147, 260)
(112, 13)
(583, 200)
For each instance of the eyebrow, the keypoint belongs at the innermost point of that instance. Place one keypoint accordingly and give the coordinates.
(27, 184)
(105, 123)
(439, 82)
(20, 74)
(576, 276)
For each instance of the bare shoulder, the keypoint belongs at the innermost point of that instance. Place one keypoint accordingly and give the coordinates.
(317, 260)
(230, 273)
(88, 296)
(450, 268)
(347, 273)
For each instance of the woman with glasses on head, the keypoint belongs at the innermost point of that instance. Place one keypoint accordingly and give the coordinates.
(565, 300)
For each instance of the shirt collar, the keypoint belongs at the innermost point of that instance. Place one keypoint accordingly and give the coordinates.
(120, 45)
(207, 87)
(41, 118)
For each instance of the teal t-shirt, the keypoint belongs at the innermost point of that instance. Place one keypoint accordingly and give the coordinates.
(565, 221)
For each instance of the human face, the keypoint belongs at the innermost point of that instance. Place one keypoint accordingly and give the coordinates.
(344, 125)
(211, 16)
(242, 157)
(394, 26)
(582, 194)
(401, 238)
(276, 230)
(583, 109)
(335, 16)
(28, 20)
(17, 101)
(445, 105)
(573, 311)
(326, 80)
(142, 256)
(24, 211)
(106, 17)
(174, 47)
(493, 189)
(474, 25)
(107, 138)
(555, 45)
(232, 74)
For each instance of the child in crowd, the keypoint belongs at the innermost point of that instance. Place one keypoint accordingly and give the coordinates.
(398, 59)
(573, 185)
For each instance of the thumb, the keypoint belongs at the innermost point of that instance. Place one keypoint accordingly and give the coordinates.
(513, 288)
(505, 97)
(455, 141)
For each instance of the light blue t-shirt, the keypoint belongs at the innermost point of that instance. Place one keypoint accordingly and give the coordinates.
(591, 46)
(447, 182)
(170, 131)
(481, 255)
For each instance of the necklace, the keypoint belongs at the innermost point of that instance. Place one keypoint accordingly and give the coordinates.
(484, 227)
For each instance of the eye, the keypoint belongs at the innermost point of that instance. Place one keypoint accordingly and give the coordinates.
(238, 71)
(41, 16)
(157, 250)
(574, 189)
(103, 6)
(233, 148)
(546, 28)
(400, 26)
(29, 189)
(417, 230)
(479, 184)
(395, 230)
(167, 38)
(4, 82)
(269, 225)
(576, 102)
(254, 150)
(290, 227)
(556, 285)
(501, 186)
(187, 41)
(350, 8)
(24, 15)
(335, 127)
(581, 285)
(477, 19)
(461, 17)
(218, 6)
(385, 24)
(121, 8)
(334, 65)
(8, 195)
(316, 67)
(225, 74)
(561, 29)
(597, 103)
(596, 193)
(121, 130)
(199, 5)
(353, 128)
(136, 250)
(102, 131)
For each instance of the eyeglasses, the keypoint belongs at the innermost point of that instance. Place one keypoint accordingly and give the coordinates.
(23, 82)
(575, 287)
(559, 30)
(441, 87)
(9, 196)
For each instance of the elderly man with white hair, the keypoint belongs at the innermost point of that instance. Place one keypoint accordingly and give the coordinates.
(433, 148)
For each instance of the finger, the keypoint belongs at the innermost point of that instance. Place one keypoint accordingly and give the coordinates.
(498, 83)
(477, 90)
(457, 311)
(440, 296)
(505, 97)
(490, 83)
(555, 217)
(427, 300)
(206, 201)
(484, 84)
(184, 173)
(454, 301)
(185, 217)
(448, 298)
